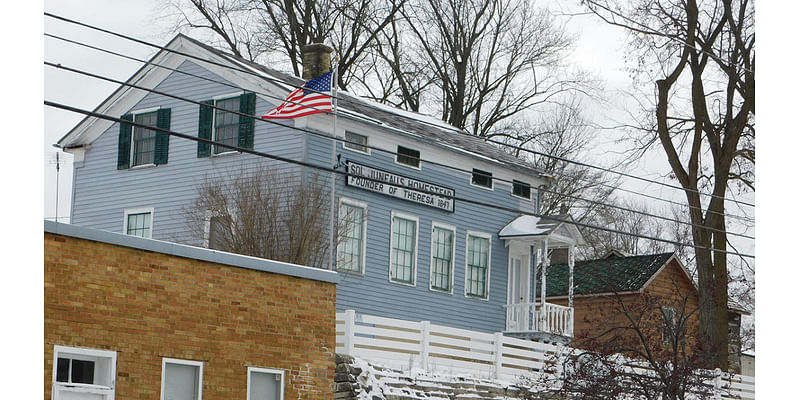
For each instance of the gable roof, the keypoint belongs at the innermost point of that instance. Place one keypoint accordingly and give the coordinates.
(418, 126)
(607, 275)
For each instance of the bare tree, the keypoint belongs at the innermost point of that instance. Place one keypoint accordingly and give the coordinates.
(271, 29)
(260, 214)
(701, 58)
(640, 346)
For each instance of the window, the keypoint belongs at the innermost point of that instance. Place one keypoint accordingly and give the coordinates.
(226, 124)
(350, 250)
(217, 231)
(138, 222)
(477, 274)
(181, 379)
(442, 254)
(141, 146)
(522, 189)
(80, 370)
(402, 259)
(481, 178)
(264, 384)
(220, 121)
(668, 329)
(408, 156)
(354, 141)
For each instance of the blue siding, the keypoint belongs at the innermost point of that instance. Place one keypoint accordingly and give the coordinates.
(373, 293)
(101, 193)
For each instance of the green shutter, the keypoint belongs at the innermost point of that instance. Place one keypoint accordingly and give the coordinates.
(204, 128)
(124, 144)
(247, 106)
(162, 138)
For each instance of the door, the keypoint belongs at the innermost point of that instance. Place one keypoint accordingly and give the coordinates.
(518, 290)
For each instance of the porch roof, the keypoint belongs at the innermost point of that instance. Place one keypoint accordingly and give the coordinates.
(556, 226)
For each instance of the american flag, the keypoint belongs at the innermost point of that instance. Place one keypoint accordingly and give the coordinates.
(302, 101)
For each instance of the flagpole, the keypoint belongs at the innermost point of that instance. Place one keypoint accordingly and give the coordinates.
(334, 86)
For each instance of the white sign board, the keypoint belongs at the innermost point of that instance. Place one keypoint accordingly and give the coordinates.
(401, 187)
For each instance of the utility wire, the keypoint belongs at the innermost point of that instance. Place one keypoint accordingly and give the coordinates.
(279, 81)
(347, 174)
(180, 98)
(733, 216)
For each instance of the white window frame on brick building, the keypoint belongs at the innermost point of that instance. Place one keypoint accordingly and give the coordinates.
(176, 361)
(104, 365)
(138, 211)
(277, 374)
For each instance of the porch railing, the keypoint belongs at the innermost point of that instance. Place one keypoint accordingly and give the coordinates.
(538, 317)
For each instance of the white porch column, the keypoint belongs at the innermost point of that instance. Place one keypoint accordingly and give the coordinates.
(545, 265)
(571, 262)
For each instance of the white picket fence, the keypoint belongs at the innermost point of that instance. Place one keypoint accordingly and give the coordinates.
(408, 345)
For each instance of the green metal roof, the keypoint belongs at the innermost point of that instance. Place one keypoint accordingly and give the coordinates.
(607, 275)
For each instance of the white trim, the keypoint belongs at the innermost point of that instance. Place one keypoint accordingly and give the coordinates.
(145, 110)
(345, 144)
(397, 154)
(138, 210)
(451, 228)
(227, 96)
(280, 372)
(488, 263)
(491, 179)
(86, 354)
(414, 218)
(199, 364)
(362, 205)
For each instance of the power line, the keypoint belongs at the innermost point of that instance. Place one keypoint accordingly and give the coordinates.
(347, 174)
(387, 151)
(274, 80)
(733, 216)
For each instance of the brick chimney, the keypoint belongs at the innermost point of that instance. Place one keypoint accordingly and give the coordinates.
(316, 60)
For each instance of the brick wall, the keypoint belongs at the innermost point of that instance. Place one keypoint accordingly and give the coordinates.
(146, 305)
(598, 315)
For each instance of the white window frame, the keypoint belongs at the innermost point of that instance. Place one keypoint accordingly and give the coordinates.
(214, 123)
(520, 197)
(451, 228)
(132, 154)
(362, 205)
(397, 155)
(138, 210)
(674, 323)
(280, 372)
(165, 360)
(414, 218)
(492, 178)
(87, 354)
(488, 264)
(347, 145)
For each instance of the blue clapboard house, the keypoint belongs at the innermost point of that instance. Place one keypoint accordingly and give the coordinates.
(422, 244)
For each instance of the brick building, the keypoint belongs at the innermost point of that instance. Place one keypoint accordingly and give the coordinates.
(136, 318)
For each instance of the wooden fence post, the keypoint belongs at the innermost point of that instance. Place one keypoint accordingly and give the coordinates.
(349, 331)
(426, 341)
(498, 354)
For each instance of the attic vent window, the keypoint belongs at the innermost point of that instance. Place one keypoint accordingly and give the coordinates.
(354, 141)
(408, 156)
(481, 178)
(522, 189)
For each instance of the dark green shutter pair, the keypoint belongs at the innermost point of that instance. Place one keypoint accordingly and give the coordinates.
(162, 139)
(247, 107)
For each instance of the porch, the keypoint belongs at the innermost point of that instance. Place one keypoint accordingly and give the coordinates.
(533, 243)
